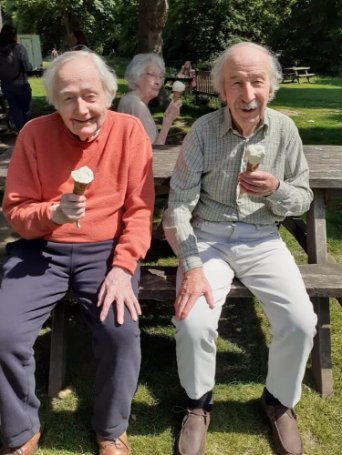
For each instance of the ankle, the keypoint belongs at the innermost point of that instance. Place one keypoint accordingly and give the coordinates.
(205, 402)
(270, 399)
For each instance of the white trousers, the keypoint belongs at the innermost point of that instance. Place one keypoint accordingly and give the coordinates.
(260, 259)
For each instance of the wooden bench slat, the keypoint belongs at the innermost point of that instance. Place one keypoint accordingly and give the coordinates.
(321, 280)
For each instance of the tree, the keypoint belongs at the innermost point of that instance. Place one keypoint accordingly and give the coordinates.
(152, 15)
(198, 30)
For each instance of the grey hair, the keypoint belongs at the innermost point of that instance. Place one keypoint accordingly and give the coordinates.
(217, 72)
(106, 74)
(137, 67)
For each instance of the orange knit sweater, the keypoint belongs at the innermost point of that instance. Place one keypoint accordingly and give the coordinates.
(119, 200)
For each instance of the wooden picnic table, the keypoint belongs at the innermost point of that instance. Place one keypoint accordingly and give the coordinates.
(325, 163)
(185, 79)
(295, 73)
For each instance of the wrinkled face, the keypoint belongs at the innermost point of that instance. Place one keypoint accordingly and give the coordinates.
(80, 98)
(247, 87)
(150, 82)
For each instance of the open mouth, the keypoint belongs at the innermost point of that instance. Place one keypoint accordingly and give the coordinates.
(84, 122)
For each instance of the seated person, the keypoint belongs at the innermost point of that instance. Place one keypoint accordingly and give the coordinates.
(89, 242)
(186, 70)
(145, 75)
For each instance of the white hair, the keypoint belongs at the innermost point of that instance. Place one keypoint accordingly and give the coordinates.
(106, 74)
(217, 72)
(137, 67)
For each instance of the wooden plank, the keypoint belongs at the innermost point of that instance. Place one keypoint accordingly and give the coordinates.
(321, 352)
(57, 350)
(321, 280)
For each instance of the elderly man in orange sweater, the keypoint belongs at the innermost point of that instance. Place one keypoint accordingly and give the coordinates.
(89, 242)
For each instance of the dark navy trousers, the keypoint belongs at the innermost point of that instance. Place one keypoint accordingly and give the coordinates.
(37, 274)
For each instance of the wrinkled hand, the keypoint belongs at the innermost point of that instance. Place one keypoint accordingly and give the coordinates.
(173, 110)
(117, 290)
(194, 285)
(258, 183)
(70, 209)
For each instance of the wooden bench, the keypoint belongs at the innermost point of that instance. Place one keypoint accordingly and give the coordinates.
(158, 283)
(204, 85)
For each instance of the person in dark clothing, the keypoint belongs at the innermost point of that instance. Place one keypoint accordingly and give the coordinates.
(16, 88)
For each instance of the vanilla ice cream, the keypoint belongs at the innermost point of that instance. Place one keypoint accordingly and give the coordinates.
(82, 177)
(177, 90)
(254, 156)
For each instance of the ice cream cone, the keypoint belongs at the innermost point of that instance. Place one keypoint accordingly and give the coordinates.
(254, 156)
(79, 188)
(82, 177)
(252, 167)
(176, 96)
(177, 90)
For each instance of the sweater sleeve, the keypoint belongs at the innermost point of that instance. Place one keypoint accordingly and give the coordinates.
(23, 205)
(135, 238)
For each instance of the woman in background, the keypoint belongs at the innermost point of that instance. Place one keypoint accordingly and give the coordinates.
(14, 82)
(145, 76)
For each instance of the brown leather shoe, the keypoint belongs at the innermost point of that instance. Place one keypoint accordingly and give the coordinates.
(191, 439)
(118, 446)
(283, 421)
(28, 448)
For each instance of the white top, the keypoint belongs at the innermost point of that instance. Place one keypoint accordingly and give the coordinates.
(132, 104)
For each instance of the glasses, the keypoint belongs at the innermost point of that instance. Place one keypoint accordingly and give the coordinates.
(154, 76)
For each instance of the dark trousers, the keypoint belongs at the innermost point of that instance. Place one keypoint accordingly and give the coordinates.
(19, 101)
(36, 275)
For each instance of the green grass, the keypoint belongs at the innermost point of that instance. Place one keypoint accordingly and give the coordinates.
(237, 427)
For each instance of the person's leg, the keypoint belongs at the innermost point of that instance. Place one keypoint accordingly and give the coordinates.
(116, 348)
(33, 281)
(196, 339)
(265, 265)
(25, 101)
(11, 95)
(268, 269)
(196, 335)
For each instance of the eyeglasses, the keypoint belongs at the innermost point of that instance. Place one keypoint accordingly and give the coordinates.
(154, 76)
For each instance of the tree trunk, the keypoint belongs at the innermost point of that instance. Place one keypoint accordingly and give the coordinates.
(151, 21)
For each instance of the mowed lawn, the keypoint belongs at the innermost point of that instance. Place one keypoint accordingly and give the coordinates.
(237, 427)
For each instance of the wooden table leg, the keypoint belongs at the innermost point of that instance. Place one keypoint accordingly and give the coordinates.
(57, 350)
(318, 253)
(321, 352)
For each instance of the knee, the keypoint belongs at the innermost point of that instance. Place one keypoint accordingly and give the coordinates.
(195, 331)
(12, 343)
(303, 329)
(114, 338)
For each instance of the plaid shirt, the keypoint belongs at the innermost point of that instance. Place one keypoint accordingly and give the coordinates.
(204, 183)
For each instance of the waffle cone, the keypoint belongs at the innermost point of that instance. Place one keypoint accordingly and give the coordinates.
(176, 96)
(79, 188)
(251, 167)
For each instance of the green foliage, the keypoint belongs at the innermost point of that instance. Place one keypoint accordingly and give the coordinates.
(109, 25)
(312, 35)
(199, 30)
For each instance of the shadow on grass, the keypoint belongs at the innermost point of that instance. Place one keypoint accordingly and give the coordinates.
(241, 359)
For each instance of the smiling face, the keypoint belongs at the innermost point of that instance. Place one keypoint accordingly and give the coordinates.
(150, 83)
(80, 98)
(247, 87)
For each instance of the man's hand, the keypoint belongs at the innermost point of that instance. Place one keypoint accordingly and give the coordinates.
(70, 209)
(258, 183)
(117, 290)
(194, 285)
